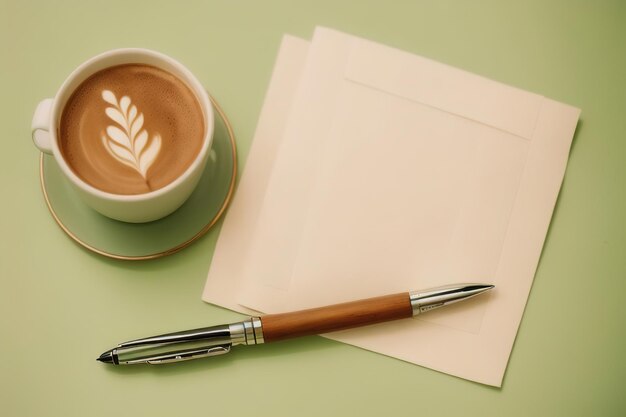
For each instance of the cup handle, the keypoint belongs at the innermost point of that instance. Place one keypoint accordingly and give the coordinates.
(40, 126)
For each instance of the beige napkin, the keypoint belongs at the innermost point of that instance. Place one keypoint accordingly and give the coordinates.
(375, 171)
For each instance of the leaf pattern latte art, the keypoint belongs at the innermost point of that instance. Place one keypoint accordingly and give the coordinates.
(126, 140)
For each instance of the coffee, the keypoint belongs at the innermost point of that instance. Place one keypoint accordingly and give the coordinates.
(131, 129)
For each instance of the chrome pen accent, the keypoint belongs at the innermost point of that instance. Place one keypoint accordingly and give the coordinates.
(427, 300)
(218, 340)
(186, 345)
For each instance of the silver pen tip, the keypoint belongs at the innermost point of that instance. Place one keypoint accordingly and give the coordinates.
(106, 357)
(479, 287)
(470, 290)
(427, 300)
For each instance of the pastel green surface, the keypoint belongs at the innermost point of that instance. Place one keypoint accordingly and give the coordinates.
(61, 306)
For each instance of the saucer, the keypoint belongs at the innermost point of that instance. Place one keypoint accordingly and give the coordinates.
(140, 241)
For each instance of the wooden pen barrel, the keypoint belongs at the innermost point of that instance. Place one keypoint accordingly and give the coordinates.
(336, 317)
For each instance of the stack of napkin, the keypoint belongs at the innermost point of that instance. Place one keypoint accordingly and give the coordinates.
(375, 171)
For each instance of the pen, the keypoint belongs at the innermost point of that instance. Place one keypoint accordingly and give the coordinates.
(217, 340)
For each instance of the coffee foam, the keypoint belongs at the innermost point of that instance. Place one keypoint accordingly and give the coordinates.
(131, 129)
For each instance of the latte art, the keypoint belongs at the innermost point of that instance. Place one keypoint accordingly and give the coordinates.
(131, 129)
(127, 142)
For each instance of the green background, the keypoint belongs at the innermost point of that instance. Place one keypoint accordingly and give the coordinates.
(61, 306)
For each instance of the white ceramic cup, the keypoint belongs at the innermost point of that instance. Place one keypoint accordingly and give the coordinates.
(129, 208)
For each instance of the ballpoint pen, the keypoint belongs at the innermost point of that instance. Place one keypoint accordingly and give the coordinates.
(217, 340)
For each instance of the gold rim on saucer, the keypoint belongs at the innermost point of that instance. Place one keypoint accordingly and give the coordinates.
(176, 248)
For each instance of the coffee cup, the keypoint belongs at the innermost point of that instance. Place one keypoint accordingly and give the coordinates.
(131, 130)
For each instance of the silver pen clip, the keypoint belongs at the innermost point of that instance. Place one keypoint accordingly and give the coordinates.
(189, 354)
